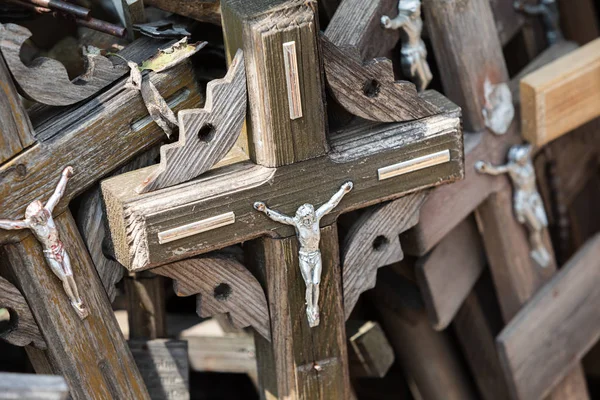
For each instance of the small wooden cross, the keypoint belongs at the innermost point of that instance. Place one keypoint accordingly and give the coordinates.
(293, 161)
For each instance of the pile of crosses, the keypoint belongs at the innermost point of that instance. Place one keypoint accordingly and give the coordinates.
(342, 229)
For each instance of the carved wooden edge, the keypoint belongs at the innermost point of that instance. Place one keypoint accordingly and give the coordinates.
(23, 330)
(46, 80)
(373, 242)
(369, 351)
(224, 285)
(555, 329)
(369, 90)
(206, 135)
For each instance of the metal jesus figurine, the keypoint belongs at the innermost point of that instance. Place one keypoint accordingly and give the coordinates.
(38, 218)
(527, 201)
(306, 221)
(548, 10)
(413, 52)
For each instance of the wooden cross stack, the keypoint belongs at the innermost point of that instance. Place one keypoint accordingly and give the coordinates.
(305, 177)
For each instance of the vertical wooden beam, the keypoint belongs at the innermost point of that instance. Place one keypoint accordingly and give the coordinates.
(466, 44)
(301, 362)
(579, 20)
(146, 306)
(15, 129)
(261, 28)
(91, 354)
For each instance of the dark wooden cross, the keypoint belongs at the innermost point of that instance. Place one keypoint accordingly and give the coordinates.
(293, 161)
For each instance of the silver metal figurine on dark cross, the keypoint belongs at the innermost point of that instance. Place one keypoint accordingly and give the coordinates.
(306, 221)
(38, 218)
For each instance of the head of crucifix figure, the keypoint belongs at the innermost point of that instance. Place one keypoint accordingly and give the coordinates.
(519, 154)
(305, 215)
(36, 214)
(410, 8)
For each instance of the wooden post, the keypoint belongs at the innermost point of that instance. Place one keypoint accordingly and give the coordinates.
(146, 306)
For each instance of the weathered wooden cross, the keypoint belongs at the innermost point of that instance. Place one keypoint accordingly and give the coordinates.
(293, 161)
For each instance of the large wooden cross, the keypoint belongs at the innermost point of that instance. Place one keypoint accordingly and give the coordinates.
(293, 161)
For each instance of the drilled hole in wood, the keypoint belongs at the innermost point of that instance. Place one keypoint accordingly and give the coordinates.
(206, 133)
(222, 292)
(371, 88)
(380, 243)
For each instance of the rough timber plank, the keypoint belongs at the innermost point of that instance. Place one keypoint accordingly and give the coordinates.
(15, 130)
(91, 354)
(85, 141)
(551, 334)
(447, 275)
(369, 351)
(136, 239)
(260, 28)
(301, 362)
(32, 387)
(457, 28)
(547, 113)
(146, 306)
(200, 10)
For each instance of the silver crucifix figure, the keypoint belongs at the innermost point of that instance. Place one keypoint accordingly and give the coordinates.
(413, 52)
(306, 221)
(38, 218)
(528, 205)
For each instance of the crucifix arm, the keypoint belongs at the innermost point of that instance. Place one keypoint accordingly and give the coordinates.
(487, 168)
(335, 200)
(395, 23)
(60, 189)
(274, 215)
(12, 225)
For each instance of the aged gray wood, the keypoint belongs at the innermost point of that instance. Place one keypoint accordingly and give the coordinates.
(15, 131)
(457, 28)
(200, 10)
(552, 332)
(146, 306)
(99, 147)
(32, 387)
(372, 242)
(164, 366)
(228, 353)
(369, 351)
(370, 90)
(46, 81)
(260, 28)
(23, 328)
(447, 275)
(224, 285)
(136, 238)
(205, 135)
(91, 354)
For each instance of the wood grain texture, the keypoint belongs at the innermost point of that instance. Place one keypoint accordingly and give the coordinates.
(369, 352)
(205, 135)
(228, 353)
(16, 130)
(261, 28)
(301, 362)
(91, 354)
(447, 275)
(84, 140)
(200, 10)
(357, 153)
(164, 366)
(416, 344)
(46, 80)
(457, 28)
(146, 306)
(578, 20)
(224, 286)
(554, 330)
(23, 329)
(370, 90)
(547, 112)
(373, 242)
(357, 24)
(32, 387)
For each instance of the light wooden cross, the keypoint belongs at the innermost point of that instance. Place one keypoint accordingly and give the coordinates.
(90, 354)
(293, 162)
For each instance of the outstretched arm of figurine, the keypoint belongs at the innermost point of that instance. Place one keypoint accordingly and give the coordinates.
(12, 225)
(395, 23)
(60, 189)
(335, 200)
(274, 215)
(487, 168)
